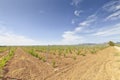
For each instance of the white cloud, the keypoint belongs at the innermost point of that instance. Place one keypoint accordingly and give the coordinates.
(78, 29)
(73, 37)
(77, 35)
(112, 6)
(70, 37)
(9, 38)
(77, 12)
(114, 16)
(76, 2)
(88, 21)
(118, 7)
(113, 30)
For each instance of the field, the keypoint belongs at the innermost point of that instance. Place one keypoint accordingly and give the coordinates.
(92, 62)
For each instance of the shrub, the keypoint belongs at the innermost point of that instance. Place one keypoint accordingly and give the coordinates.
(59, 53)
(64, 54)
(78, 53)
(54, 64)
(5, 59)
(111, 43)
(93, 51)
(43, 59)
(83, 54)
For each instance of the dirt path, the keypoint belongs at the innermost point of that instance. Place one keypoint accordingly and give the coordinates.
(23, 66)
(118, 48)
(103, 66)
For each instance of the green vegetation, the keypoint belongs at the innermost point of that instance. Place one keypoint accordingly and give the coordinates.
(63, 50)
(79, 52)
(93, 51)
(54, 54)
(33, 53)
(44, 59)
(6, 58)
(54, 63)
(83, 54)
(2, 49)
(47, 53)
(111, 43)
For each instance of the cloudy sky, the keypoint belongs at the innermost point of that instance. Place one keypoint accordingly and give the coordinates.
(28, 22)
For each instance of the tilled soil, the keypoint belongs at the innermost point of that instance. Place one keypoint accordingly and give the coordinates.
(2, 55)
(5, 53)
(105, 65)
(23, 66)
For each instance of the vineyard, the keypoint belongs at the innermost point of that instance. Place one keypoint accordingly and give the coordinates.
(6, 54)
(49, 62)
(55, 54)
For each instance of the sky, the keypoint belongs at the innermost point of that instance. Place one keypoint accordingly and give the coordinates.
(43, 22)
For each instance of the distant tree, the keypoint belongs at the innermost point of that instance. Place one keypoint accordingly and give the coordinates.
(111, 43)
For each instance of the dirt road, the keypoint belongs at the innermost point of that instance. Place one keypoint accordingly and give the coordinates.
(103, 66)
(116, 47)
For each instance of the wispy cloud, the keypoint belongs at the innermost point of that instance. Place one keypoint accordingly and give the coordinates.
(77, 12)
(73, 36)
(113, 16)
(76, 2)
(113, 30)
(88, 21)
(113, 7)
(91, 28)
(9, 38)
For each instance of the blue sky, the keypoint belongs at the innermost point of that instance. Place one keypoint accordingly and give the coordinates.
(27, 22)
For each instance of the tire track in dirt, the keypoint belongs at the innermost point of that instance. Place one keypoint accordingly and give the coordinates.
(68, 68)
(103, 66)
(116, 47)
(82, 63)
(96, 68)
(23, 66)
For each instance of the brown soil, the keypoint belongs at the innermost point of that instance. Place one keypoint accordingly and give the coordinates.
(105, 65)
(3, 54)
(23, 66)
